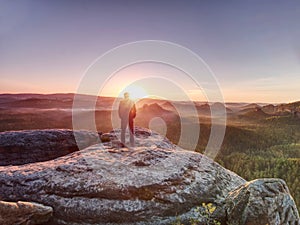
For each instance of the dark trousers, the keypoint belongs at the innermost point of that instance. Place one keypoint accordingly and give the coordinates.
(124, 124)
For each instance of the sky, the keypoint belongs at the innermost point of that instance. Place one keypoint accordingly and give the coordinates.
(252, 47)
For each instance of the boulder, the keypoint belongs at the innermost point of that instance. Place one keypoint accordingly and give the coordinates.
(153, 183)
(25, 213)
(21, 147)
(261, 202)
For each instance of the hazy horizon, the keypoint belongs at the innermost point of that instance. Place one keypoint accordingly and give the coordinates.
(146, 97)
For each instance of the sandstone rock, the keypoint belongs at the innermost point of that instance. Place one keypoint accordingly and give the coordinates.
(261, 202)
(21, 147)
(152, 183)
(25, 213)
(155, 182)
(143, 138)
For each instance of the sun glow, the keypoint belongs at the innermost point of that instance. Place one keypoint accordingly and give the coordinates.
(135, 92)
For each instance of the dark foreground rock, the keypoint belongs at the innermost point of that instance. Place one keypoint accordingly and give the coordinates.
(24, 213)
(21, 147)
(154, 182)
(106, 185)
(261, 202)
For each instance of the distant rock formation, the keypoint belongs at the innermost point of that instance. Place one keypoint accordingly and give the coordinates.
(251, 106)
(50, 101)
(204, 109)
(169, 106)
(261, 202)
(153, 108)
(254, 114)
(283, 109)
(155, 182)
(21, 147)
(270, 109)
(150, 111)
(23, 213)
(219, 108)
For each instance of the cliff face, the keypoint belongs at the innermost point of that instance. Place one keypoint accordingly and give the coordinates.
(21, 147)
(261, 201)
(153, 183)
(24, 213)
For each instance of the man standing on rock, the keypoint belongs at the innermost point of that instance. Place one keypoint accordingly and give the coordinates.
(127, 112)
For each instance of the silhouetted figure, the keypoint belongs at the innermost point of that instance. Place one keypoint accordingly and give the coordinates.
(127, 113)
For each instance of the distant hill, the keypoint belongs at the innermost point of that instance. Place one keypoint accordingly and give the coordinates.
(149, 111)
(36, 96)
(255, 114)
(220, 108)
(140, 103)
(182, 107)
(47, 101)
(289, 107)
(169, 106)
(251, 106)
(270, 109)
(204, 109)
(40, 103)
(282, 109)
(153, 108)
(243, 111)
(65, 101)
(235, 106)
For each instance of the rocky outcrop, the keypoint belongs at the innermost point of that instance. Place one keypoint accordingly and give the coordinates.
(152, 183)
(21, 147)
(24, 213)
(155, 182)
(261, 202)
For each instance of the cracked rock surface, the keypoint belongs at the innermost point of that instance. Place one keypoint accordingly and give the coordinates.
(19, 213)
(154, 182)
(22, 147)
(101, 184)
(261, 202)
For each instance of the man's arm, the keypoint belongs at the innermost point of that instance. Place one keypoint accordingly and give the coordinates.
(133, 111)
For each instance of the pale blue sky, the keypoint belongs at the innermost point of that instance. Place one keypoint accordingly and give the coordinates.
(252, 46)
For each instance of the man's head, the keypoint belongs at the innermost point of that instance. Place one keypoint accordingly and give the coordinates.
(126, 95)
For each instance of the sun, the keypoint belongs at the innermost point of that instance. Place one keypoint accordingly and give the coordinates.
(135, 92)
